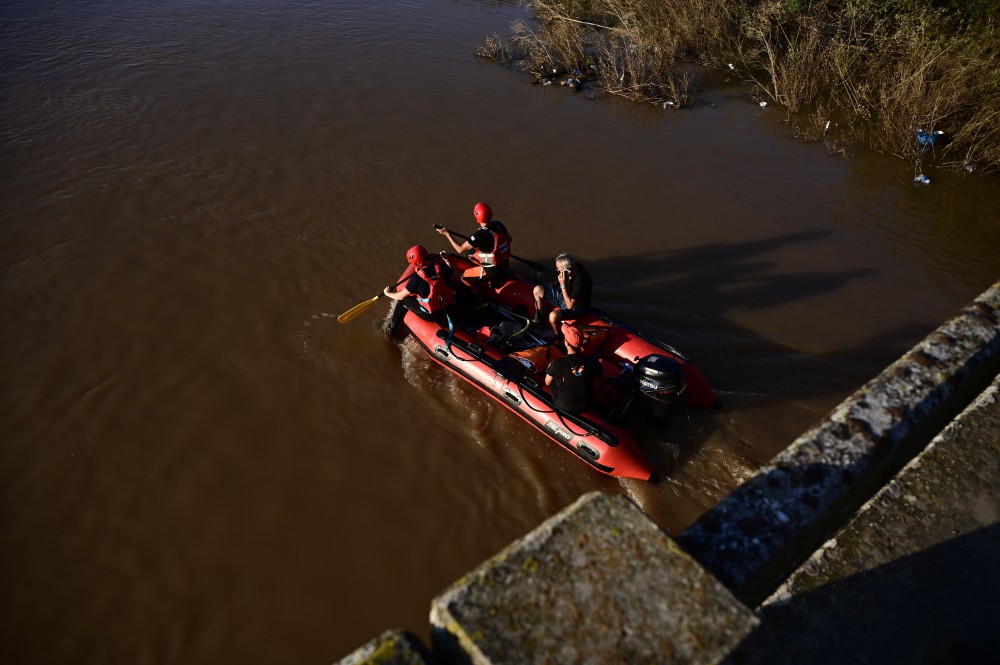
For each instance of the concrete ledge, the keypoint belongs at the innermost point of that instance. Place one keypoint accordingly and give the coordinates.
(393, 647)
(757, 536)
(597, 583)
(924, 551)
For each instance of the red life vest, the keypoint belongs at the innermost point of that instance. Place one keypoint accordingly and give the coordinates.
(501, 246)
(441, 294)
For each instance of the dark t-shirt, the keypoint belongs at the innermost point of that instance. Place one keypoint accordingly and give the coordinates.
(419, 287)
(573, 380)
(581, 287)
(482, 240)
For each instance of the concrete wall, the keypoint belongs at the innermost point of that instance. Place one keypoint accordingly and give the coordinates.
(759, 534)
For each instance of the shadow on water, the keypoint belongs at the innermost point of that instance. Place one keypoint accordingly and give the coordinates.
(937, 606)
(687, 297)
(690, 298)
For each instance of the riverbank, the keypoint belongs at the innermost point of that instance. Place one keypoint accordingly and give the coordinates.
(877, 521)
(912, 78)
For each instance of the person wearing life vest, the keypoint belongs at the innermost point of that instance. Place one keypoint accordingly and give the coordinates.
(489, 244)
(428, 293)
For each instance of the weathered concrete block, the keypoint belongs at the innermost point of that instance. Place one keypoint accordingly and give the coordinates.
(757, 536)
(597, 583)
(920, 561)
(393, 647)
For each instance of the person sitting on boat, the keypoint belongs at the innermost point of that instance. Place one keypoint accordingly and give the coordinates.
(570, 294)
(428, 293)
(571, 378)
(490, 244)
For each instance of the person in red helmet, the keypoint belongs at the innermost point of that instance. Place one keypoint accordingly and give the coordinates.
(428, 293)
(490, 244)
(571, 378)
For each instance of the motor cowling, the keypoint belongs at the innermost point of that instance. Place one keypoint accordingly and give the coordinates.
(661, 380)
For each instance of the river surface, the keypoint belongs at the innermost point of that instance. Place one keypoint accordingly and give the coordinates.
(199, 464)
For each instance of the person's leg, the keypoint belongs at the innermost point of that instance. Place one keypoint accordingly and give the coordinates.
(398, 312)
(539, 294)
(546, 293)
(412, 305)
(559, 313)
(555, 318)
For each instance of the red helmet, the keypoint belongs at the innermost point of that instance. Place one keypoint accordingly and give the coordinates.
(416, 255)
(482, 213)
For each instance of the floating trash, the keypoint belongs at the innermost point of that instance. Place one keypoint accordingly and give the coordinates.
(928, 138)
(922, 180)
(763, 105)
(731, 66)
(666, 104)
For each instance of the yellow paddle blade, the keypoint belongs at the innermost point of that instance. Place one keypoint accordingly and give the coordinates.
(353, 312)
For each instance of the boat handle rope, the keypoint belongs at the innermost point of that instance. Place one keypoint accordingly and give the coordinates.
(473, 356)
(451, 333)
(554, 410)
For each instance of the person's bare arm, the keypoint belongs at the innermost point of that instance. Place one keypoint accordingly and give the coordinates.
(464, 247)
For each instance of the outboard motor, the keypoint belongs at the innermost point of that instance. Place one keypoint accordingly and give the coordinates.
(661, 382)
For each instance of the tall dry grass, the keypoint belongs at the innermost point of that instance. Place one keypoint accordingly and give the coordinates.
(881, 70)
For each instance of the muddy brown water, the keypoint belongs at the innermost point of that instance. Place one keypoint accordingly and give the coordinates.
(198, 464)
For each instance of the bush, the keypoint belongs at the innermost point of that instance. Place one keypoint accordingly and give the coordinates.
(885, 68)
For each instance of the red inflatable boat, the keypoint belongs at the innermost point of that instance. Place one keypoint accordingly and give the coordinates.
(491, 344)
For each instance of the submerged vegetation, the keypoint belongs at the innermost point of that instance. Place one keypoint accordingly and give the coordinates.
(883, 72)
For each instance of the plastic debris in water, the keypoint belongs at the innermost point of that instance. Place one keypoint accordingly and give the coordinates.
(928, 138)
(763, 105)
(731, 66)
(922, 180)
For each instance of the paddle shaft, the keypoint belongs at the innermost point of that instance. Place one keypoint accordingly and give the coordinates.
(355, 311)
